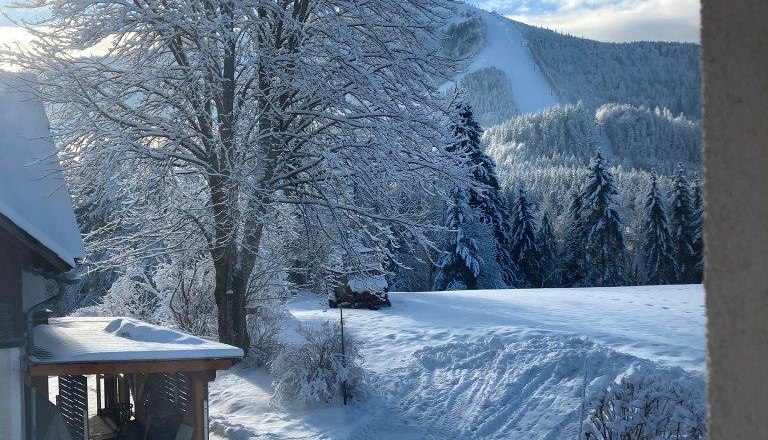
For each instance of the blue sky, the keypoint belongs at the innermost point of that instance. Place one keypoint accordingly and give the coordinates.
(605, 20)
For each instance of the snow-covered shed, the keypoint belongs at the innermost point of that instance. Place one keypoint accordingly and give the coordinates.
(150, 381)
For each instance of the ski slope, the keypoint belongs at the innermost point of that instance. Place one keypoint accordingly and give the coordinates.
(506, 49)
(505, 364)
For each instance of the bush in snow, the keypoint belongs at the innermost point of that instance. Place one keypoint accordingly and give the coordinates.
(127, 297)
(176, 293)
(184, 288)
(648, 407)
(314, 370)
(265, 325)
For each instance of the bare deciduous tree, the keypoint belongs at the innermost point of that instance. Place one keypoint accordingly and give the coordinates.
(202, 120)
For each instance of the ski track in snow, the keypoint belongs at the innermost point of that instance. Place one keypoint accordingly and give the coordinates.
(506, 49)
(504, 364)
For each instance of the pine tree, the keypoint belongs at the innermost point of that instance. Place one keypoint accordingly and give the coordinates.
(682, 227)
(658, 252)
(606, 261)
(486, 199)
(459, 267)
(525, 249)
(697, 274)
(548, 256)
(573, 248)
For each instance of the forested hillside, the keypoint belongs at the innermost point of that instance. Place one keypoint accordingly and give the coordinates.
(634, 137)
(638, 102)
(651, 74)
(547, 104)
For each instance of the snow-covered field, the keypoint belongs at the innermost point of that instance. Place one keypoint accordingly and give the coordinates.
(484, 364)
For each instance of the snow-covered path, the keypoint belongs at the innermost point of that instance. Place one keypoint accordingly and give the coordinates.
(506, 50)
(482, 364)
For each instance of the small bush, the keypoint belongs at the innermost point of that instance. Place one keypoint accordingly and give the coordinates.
(128, 297)
(265, 326)
(314, 370)
(652, 407)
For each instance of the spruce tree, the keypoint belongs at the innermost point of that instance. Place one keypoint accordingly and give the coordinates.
(459, 267)
(606, 261)
(525, 249)
(485, 198)
(658, 252)
(573, 247)
(682, 228)
(697, 274)
(548, 256)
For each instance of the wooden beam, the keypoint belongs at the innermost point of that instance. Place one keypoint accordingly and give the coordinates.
(87, 368)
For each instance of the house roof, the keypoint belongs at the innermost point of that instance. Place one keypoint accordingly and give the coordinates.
(119, 340)
(33, 193)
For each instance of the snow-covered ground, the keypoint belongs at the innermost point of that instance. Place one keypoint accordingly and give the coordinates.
(506, 49)
(482, 364)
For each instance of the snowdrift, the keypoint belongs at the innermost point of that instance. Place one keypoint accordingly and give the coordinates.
(529, 389)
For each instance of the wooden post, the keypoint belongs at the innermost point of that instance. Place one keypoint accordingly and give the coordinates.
(199, 405)
(343, 355)
(98, 394)
(40, 383)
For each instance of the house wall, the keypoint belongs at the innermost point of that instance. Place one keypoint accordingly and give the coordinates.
(12, 409)
(11, 322)
(735, 65)
(11, 394)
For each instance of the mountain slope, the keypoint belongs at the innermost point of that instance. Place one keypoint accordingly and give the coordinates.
(544, 68)
(505, 50)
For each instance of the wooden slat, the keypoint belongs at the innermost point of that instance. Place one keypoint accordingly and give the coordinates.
(175, 366)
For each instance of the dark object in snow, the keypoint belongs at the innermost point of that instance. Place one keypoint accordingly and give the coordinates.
(364, 288)
(346, 298)
(360, 291)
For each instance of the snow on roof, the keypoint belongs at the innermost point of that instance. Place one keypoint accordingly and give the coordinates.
(370, 284)
(110, 339)
(33, 193)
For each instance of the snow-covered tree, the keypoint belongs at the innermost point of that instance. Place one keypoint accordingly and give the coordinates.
(606, 260)
(224, 113)
(525, 249)
(549, 257)
(573, 247)
(682, 226)
(658, 252)
(485, 194)
(697, 199)
(459, 267)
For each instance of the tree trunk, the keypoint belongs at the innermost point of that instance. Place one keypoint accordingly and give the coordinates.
(232, 313)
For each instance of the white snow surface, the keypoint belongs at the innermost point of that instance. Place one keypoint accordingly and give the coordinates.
(33, 194)
(109, 339)
(503, 364)
(376, 283)
(506, 49)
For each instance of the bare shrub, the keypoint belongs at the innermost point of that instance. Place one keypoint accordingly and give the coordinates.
(127, 297)
(185, 288)
(265, 324)
(314, 370)
(650, 407)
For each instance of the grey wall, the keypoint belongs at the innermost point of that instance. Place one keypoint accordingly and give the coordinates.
(735, 122)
